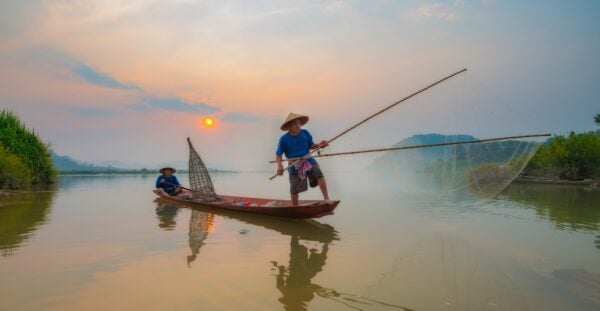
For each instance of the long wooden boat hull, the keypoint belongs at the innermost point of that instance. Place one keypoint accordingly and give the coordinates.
(304, 229)
(284, 208)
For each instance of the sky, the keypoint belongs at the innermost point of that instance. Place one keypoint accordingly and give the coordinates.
(130, 80)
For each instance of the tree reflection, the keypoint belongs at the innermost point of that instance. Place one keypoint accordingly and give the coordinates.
(20, 216)
(568, 207)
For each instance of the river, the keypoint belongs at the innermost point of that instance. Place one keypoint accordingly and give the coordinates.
(103, 242)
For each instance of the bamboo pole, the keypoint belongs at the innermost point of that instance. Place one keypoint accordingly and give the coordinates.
(422, 146)
(380, 112)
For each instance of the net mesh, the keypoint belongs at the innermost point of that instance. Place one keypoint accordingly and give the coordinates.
(200, 182)
(482, 168)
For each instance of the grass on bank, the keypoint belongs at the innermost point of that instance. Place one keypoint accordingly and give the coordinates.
(24, 159)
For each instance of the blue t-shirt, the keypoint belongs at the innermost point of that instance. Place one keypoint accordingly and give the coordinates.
(169, 184)
(295, 146)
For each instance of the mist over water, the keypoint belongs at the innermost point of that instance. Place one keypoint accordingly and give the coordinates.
(104, 242)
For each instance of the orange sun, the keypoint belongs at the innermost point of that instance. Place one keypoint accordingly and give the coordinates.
(208, 121)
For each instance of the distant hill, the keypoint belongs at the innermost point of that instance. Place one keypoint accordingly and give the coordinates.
(468, 154)
(66, 163)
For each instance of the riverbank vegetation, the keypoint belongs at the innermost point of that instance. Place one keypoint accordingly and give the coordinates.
(575, 156)
(24, 159)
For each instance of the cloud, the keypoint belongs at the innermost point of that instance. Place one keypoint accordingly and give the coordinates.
(175, 104)
(436, 10)
(333, 5)
(92, 112)
(447, 16)
(240, 117)
(60, 64)
(15, 16)
(100, 79)
(428, 10)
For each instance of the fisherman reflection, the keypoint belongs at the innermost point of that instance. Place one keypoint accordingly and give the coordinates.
(296, 285)
(166, 216)
(295, 282)
(201, 224)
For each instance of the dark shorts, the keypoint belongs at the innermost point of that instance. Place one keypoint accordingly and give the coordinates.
(297, 185)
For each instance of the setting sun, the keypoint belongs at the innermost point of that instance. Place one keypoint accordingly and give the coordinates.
(208, 121)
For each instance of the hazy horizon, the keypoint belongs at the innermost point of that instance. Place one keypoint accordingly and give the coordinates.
(130, 80)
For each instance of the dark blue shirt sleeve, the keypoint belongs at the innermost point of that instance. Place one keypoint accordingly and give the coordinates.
(175, 181)
(310, 139)
(158, 181)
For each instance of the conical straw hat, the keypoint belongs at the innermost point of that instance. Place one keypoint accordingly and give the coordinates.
(291, 117)
(162, 170)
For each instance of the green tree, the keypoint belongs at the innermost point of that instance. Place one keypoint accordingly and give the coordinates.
(597, 119)
(572, 157)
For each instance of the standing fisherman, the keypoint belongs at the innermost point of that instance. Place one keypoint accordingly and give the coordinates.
(298, 142)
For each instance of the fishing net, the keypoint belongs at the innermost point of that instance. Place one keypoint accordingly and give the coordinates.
(484, 169)
(200, 182)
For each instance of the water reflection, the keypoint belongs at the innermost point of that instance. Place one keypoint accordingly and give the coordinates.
(201, 224)
(76, 182)
(166, 214)
(307, 229)
(568, 207)
(293, 281)
(20, 216)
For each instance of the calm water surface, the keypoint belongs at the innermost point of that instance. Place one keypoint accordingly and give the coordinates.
(103, 242)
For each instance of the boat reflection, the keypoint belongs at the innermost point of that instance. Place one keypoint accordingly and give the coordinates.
(200, 225)
(202, 220)
(304, 229)
(293, 281)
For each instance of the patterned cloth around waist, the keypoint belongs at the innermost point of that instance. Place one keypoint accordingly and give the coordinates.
(302, 167)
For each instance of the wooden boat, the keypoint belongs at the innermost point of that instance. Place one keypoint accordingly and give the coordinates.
(304, 229)
(271, 207)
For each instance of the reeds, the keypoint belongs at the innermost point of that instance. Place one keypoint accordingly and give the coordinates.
(24, 158)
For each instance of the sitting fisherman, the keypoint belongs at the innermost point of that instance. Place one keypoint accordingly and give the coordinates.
(168, 182)
(298, 142)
